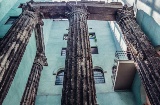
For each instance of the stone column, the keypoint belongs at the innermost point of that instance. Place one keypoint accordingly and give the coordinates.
(146, 59)
(12, 48)
(78, 84)
(30, 92)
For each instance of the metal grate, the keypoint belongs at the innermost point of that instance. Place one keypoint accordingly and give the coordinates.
(63, 52)
(98, 76)
(123, 55)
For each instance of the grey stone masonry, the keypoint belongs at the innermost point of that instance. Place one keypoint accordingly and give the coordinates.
(78, 84)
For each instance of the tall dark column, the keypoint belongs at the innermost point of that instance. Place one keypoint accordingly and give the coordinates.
(30, 92)
(12, 48)
(78, 84)
(146, 58)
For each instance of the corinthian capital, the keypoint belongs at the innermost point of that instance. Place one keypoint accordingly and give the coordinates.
(125, 12)
(28, 6)
(40, 17)
(41, 59)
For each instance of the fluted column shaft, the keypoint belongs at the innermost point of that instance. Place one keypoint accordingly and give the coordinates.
(30, 92)
(12, 48)
(147, 60)
(78, 84)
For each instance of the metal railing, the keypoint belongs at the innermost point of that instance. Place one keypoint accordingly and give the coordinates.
(123, 55)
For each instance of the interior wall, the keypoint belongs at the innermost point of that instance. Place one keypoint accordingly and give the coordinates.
(118, 36)
(46, 30)
(136, 89)
(5, 6)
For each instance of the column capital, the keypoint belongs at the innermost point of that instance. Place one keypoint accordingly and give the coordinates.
(28, 6)
(125, 12)
(32, 11)
(40, 21)
(72, 9)
(41, 59)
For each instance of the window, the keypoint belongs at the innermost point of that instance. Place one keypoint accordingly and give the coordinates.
(94, 50)
(92, 39)
(65, 37)
(92, 35)
(59, 78)
(98, 76)
(11, 19)
(63, 52)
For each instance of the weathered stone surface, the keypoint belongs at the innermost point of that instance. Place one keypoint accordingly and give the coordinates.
(13, 46)
(30, 92)
(78, 85)
(145, 56)
(97, 10)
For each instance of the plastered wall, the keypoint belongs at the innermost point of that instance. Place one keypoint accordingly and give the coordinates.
(49, 93)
